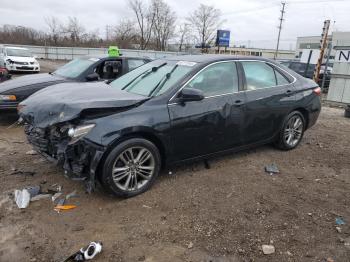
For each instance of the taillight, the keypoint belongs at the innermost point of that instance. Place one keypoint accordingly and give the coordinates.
(317, 91)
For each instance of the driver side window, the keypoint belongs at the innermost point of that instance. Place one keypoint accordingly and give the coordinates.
(217, 79)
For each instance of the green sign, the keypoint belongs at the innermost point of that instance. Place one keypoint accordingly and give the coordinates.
(113, 51)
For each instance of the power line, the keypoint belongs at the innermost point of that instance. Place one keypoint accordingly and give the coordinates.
(279, 29)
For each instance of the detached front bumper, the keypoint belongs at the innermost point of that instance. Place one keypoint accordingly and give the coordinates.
(79, 160)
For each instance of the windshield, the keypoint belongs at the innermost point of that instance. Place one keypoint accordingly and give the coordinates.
(75, 67)
(18, 52)
(154, 78)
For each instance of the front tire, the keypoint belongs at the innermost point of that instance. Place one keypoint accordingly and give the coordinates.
(292, 131)
(131, 168)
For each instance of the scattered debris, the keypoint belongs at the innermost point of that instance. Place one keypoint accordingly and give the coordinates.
(22, 198)
(330, 259)
(272, 169)
(19, 172)
(309, 214)
(33, 190)
(347, 242)
(190, 245)
(56, 196)
(17, 142)
(338, 229)
(61, 202)
(268, 249)
(87, 253)
(145, 206)
(339, 221)
(78, 228)
(64, 207)
(31, 152)
(40, 196)
(72, 194)
(170, 173)
(289, 253)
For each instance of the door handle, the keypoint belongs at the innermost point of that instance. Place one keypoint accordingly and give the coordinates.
(238, 103)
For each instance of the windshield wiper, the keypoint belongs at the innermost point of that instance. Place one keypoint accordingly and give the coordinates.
(162, 81)
(144, 74)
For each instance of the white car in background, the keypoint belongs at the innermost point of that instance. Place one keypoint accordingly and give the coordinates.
(19, 59)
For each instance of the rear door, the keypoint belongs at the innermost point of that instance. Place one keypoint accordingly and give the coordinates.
(214, 123)
(270, 95)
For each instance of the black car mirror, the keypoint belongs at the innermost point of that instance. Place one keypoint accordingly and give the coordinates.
(92, 77)
(191, 94)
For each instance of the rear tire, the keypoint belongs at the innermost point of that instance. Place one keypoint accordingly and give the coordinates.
(292, 131)
(131, 168)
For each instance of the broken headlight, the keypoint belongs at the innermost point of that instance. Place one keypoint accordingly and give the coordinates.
(79, 131)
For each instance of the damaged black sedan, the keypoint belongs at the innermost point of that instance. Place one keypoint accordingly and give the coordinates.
(168, 111)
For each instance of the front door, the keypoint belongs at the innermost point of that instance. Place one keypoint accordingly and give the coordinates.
(214, 123)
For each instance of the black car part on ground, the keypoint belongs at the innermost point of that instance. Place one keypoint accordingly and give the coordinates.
(180, 130)
(347, 111)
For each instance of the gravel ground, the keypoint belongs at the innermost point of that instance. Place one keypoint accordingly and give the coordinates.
(225, 213)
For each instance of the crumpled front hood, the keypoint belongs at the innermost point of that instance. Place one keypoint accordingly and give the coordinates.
(64, 102)
(27, 80)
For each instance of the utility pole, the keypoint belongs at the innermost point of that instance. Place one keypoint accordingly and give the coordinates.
(279, 29)
(324, 40)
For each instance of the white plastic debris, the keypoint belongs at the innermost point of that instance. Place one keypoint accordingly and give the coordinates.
(55, 196)
(22, 198)
(268, 249)
(31, 152)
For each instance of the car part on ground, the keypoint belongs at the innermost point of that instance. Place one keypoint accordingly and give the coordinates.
(170, 110)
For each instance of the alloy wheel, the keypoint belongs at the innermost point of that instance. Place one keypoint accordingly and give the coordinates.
(293, 131)
(133, 168)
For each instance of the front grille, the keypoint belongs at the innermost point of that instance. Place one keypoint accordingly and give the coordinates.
(47, 140)
(22, 63)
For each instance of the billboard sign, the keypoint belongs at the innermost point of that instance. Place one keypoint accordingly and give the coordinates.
(342, 56)
(223, 38)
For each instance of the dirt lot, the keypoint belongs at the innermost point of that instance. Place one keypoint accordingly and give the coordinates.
(224, 213)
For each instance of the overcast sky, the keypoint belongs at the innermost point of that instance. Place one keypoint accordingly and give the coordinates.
(251, 22)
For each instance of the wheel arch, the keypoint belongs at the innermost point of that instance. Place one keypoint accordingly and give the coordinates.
(305, 114)
(137, 134)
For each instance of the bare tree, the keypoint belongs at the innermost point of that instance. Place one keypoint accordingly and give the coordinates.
(125, 33)
(164, 23)
(74, 29)
(205, 20)
(145, 20)
(183, 33)
(55, 27)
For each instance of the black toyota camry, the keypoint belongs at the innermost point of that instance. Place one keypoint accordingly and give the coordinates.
(168, 111)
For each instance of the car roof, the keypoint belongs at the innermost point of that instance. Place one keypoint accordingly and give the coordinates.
(212, 58)
(105, 56)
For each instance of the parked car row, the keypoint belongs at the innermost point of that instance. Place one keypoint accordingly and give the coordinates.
(19, 59)
(157, 113)
(86, 69)
(307, 70)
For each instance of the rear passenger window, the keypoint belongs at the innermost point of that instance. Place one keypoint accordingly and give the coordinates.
(281, 80)
(258, 75)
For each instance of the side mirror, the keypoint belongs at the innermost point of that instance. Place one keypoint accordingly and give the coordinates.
(190, 94)
(92, 77)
